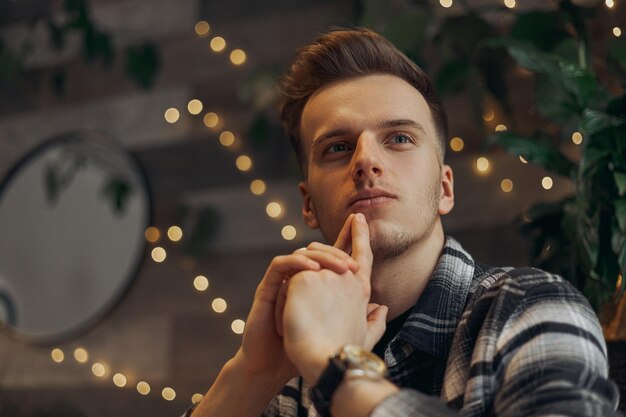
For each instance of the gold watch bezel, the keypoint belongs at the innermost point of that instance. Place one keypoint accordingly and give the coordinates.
(356, 357)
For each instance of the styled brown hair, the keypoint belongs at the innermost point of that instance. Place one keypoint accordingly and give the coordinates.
(344, 54)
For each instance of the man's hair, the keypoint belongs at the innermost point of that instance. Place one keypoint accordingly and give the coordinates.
(344, 54)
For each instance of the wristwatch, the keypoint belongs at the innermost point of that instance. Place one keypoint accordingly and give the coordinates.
(349, 361)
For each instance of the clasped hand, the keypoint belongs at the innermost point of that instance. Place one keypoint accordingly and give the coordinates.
(310, 303)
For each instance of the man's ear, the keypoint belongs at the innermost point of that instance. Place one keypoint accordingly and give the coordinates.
(308, 210)
(446, 199)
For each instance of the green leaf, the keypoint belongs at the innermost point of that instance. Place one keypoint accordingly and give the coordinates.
(617, 106)
(617, 54)
(579, 82)
(567, 50)
(620, 181)
(618, 244)
(554, 102)
(533, 59)
(620, 214)
(142, 64)
(606, 263)
(594, 121)
(534, 150)
(118, 191)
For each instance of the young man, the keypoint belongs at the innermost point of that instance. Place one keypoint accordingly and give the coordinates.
(461, 338)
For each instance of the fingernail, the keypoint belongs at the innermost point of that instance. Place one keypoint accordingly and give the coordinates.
(360, 217)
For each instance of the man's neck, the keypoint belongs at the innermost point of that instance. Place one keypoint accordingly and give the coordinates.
(399, 282)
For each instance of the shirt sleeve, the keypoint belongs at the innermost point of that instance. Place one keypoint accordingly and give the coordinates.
(547, 358)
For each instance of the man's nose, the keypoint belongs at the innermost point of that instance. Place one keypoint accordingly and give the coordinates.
(366, 160)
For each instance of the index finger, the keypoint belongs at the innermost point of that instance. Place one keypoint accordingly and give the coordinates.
(361, 249)
(344, 240)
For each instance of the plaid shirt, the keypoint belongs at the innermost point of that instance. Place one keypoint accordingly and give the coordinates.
(505, 342)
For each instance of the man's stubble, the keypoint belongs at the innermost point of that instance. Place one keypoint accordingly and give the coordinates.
(394, 243)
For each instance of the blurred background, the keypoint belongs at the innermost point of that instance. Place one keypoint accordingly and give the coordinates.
(146, 182)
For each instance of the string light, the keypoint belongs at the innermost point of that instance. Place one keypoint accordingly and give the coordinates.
(227, 138)
(609, 3)
(152, 234)
(81, 355)
(218, 44)
(446, 3)
(237, 57)
(506, 185)
(237, 326)
(273, 209)
(489, 115)
(288, 232)
(119, 380)
(196, 398)
(482, 164)
(175, 233)
(243, 163)
(219, 305)
(168, 393)
(618, 284)
(57, 355)
(257, 187)
(143, 388)
(456, 144)
(521, 158)
(201, 283)
(98, 369)
(171, 115)
(547, 183)
(577, 138)
(617, 32)
(194, 106)
(509, 3)
(501, 128)
(211, 120)
(202, 28)
(158, 254)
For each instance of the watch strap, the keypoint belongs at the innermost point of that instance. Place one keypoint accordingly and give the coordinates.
(322, 392)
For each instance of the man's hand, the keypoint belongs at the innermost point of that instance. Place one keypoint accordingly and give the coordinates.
(262, 351)
(326, 309)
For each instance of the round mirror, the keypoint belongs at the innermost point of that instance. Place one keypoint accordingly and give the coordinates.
(72, 219)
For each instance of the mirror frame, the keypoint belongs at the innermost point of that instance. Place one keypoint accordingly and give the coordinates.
(106, 141)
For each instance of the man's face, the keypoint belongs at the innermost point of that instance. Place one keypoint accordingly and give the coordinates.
(371, 147)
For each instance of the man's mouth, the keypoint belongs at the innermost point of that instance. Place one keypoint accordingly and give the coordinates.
(370, 198)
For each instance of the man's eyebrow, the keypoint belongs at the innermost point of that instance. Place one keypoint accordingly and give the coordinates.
(332, 134)
(386, 124)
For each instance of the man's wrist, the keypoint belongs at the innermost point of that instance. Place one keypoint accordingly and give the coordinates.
(238, 365)
(358, 397)
(314, 366)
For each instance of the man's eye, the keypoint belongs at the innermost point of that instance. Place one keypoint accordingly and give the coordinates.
(401, 138)
(337, 147)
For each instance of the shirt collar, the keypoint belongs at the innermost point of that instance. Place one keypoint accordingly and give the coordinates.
(433, 320)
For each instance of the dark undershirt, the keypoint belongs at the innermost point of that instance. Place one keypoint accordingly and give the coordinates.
(393, 327)
(422, 380)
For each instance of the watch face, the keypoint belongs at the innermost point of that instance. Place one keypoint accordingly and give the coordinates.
(357, 357)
